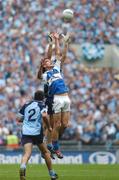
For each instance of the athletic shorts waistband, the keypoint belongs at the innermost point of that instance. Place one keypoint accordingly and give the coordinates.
(64, 94)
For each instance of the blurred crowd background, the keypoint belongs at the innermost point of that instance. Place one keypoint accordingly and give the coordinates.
(24, 25)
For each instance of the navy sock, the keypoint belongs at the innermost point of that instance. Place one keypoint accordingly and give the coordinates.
(55, 145)
(49, 146)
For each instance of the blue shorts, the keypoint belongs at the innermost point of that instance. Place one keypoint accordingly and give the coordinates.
(35, 140)
(49, 104)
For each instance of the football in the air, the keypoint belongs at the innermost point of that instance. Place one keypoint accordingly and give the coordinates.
(68, 14)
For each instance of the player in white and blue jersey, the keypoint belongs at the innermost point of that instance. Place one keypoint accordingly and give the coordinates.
(32, 115)
(59, 91)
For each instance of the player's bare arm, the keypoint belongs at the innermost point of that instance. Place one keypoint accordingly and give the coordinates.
(57, 46)
(66, 46)
(46, 120)
(49, 51)
(19, 118)
(40, 71)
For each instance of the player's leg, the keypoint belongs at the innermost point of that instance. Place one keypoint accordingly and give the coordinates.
(47, 158)
(45, 130)
(55, 135)
(24, 160)
(49, 104)
(57, 125)
(65, 115)
(64, 122)
(49, 137)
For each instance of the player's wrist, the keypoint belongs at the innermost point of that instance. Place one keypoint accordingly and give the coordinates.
(50, 129)
(50, 39)
(51, 43)
(66, 42)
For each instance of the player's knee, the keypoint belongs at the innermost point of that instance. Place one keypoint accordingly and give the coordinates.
(27, 155)
(46, 153)
(45, 150)
(57, 126)
(65, 124)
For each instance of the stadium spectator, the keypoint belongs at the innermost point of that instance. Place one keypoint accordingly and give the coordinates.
(12, 140)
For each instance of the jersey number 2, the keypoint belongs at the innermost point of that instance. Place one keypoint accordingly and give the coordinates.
(31, 115)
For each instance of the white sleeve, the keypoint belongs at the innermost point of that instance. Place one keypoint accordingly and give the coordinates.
(44, 110)
(57, 65)
(44, 76)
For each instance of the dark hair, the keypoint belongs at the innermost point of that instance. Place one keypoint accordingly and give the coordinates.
(39, 95)
(44, 70)
(42, 60)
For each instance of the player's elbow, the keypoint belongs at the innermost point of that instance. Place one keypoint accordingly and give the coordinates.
(63, 58)
(19, 120)
(44, 115)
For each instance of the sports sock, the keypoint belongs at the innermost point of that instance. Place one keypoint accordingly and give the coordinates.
(50, 146)
(55, 145)
(23, 166)
(51, 172)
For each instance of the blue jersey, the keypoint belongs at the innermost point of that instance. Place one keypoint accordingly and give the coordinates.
(55, 80)
(31, 113)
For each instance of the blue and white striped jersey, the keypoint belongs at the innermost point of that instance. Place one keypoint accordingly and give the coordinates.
(55, 80)
(31, 113)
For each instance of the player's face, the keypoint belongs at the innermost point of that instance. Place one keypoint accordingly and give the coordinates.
(47, 63)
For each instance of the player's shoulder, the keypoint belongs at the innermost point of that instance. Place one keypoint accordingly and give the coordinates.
(41, 103)
(56, 60)
(57, 64)
(28, 102)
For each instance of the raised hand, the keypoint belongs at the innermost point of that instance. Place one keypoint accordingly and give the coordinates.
(50, 37)
(56, 35)
(66, 38)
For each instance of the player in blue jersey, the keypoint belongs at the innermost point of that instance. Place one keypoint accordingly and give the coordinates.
(32, 114)
(57, 90)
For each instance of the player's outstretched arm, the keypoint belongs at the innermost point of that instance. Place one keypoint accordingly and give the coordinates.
(49, 50)
(48, 55)
(19, 118)
(40, 71)
(66, 46)
(46, 120)
(57, 46)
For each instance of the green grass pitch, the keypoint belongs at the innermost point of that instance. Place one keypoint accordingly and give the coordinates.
(65, 172)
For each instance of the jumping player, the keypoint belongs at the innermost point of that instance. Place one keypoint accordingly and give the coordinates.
(32, 114)
(59, 92)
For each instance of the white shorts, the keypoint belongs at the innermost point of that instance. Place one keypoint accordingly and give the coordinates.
(61, 103)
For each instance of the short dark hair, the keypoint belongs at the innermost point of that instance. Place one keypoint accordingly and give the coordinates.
(39, 95)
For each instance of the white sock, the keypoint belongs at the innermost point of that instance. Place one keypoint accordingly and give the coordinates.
(23, 166)
(51, 172)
